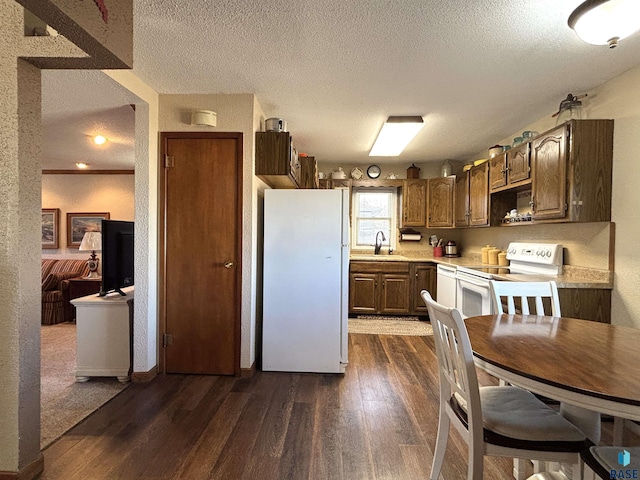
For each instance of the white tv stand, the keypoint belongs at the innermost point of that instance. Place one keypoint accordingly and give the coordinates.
(103, 335)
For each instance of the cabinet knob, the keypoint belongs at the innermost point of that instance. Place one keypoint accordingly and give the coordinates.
(228, 264)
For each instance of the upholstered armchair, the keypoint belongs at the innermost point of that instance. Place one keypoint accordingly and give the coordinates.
(55, 287)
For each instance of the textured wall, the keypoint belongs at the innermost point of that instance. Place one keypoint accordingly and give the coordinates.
(19, 248)
(145, 328)
(618, 99)
(108, 44)
(235, 114)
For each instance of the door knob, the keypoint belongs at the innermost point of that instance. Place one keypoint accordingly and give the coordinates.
(228, 264)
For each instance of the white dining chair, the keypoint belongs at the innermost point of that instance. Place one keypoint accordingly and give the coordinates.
(600, 461)
(535, 292)
(502, 421)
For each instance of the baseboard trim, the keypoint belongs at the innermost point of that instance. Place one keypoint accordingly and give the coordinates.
(248, 372)
(143, 377)
(30, 472)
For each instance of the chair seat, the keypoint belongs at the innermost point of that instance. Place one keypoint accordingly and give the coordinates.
(513, 417)
(517, 413)
(604, 459)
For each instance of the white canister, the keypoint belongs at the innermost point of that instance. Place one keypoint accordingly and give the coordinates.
(275, 125)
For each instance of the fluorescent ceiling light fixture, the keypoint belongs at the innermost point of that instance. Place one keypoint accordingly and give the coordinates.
(605, 22)
(395, 135)
(99, 139)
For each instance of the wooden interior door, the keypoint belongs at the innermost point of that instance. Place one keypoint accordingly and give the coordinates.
(201, 251)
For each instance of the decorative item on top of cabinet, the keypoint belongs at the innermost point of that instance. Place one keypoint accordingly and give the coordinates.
(572, 172)
(277, 161)
(414, 203)
(308, 172)
(440, 192)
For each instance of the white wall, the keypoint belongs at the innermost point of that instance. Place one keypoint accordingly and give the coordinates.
(618, 99)
(86, 194)
(145, 328)
(236, 113)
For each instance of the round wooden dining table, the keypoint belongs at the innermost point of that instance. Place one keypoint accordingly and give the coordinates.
(588, 364)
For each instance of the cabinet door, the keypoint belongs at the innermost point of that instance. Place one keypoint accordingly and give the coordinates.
(518, 164)
(414, 203)
(548, 192)
(479, 195)
(497, 172)
(462, 200)
(276, 161)
(394, 294)
(362, 293)
(440, 201)
(423, 278)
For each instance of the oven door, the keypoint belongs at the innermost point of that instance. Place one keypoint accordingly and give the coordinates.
(473, 296)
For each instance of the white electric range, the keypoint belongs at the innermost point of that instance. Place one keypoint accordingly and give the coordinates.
(473, 296)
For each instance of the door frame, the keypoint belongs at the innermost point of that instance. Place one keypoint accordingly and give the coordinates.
(162, 254)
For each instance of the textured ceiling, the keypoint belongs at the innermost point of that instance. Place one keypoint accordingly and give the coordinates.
(477, 71)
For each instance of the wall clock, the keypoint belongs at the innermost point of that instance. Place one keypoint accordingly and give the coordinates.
(373, 171)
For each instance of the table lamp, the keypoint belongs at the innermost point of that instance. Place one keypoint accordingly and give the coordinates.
(92, 241)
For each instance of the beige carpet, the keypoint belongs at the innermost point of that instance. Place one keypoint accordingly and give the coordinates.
(390, 326)
(64, 403)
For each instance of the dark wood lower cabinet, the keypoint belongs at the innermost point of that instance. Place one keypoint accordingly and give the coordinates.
(423, 277)
(394, 295)
(586, 303)
(389, 287)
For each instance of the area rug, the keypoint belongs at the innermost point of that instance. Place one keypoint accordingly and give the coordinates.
(64, 403)
(393, 326)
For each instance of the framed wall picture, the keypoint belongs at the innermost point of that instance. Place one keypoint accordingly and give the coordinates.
(50, 227)
(79, 223)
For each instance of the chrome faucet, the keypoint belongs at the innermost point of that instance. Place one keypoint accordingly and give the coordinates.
(378, 246)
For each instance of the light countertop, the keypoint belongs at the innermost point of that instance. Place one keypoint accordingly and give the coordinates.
(571, 277)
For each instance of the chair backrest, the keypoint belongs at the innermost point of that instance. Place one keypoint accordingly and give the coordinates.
(525, 291)
(455, 360)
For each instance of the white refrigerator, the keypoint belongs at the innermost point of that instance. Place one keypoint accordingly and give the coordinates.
(306, 281)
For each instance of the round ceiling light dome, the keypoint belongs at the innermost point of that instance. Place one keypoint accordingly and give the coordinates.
(605, 22)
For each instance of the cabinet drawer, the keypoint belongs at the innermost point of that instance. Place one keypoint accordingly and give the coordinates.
(379, 267)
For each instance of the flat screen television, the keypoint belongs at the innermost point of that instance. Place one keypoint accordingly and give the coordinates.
(117, 256)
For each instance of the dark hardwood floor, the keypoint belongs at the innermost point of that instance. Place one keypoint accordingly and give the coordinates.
(378, 421)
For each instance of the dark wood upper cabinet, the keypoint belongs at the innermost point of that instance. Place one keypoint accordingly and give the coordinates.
(479, 195)
(440, 194)
(472, 197)
(277, 161)
(518, 169)
(572, 172)
(308, 172)
(462, 200)
(414, 203)
(510, 169)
